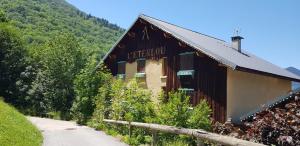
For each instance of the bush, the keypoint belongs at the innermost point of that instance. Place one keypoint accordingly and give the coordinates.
(123, 101)
(87, 84)
(176, 110)
(131, 103)
(200, 116)
(127, 101)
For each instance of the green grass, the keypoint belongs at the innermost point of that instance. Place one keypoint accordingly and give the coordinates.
(15, 129)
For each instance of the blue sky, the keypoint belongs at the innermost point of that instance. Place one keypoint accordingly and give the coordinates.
(271, 28)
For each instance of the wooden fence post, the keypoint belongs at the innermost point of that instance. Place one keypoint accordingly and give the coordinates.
(130, 129)
(154, 138)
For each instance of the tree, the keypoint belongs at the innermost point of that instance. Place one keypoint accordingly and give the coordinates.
(12, 60)
(3, 17)
(86, 86)
(60, 59)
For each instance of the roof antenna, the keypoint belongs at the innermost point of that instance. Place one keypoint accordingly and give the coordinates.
(236, 32)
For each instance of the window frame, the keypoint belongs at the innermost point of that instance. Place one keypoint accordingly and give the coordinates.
(186, 71)
(141, 69)
(185, 55)
(124, 67)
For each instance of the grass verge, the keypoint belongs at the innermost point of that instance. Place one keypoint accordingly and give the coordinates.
(15, 129)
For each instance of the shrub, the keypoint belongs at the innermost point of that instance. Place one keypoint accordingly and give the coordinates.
(131, 103)
(176, 110)
(127, 101)
(200, 116)
(103, 102)
(123, 101)
(86, 85)
(175, 143)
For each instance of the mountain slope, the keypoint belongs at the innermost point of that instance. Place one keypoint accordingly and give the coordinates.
(39, 20)
(296, 72)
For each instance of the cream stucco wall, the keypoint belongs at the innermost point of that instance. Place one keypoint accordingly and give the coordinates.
(130, 70)
(153, 80)
(247, 91)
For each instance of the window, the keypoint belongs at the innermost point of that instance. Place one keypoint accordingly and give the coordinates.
(186, 82)
(121, 67)
(164, 66)
(186, 71)
(186, 61)
(141, 63)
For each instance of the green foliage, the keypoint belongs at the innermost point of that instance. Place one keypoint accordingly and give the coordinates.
(120, 101)
(86, 85)
(43, 19)
(3, 17)
(200, 117)
(33, 86)
(46, 85)
(103, 105)
(59, 61)
(175, 111)
(124, 101)
(58, 40)
(127, 101)
(16, 130)
(177, 142)
(131, 102)
(12, 61)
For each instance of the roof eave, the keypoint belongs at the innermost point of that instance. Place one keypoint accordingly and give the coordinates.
(244, 69)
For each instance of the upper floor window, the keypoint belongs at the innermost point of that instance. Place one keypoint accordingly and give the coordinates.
(186, 71)
(186, 61)
(121, 67)
(141, 63)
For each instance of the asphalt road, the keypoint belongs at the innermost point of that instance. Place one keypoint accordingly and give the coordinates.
(66, 133)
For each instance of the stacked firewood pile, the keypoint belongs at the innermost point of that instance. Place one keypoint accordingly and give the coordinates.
(279, 125)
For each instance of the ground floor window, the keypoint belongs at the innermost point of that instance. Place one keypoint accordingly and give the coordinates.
(186, 82)
(141, 63)
(121, 69)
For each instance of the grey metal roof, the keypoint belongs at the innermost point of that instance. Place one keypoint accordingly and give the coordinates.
(220, 50)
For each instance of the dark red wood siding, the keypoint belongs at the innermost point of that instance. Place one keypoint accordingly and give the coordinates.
(209, 79)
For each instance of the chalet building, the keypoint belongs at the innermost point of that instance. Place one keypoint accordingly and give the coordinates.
(167, 57)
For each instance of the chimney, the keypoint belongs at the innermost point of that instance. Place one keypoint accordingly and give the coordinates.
(236, 42)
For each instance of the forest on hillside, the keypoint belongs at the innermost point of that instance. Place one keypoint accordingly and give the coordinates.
(45, 45)
(40, 20)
